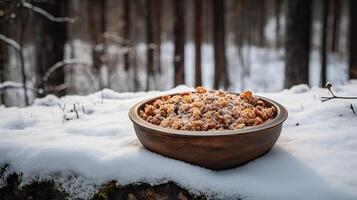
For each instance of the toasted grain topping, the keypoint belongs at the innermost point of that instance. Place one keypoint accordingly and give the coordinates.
(208, 110)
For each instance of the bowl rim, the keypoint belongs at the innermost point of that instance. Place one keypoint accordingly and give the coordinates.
(282, 115)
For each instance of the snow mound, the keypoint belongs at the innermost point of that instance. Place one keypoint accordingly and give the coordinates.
(49, 100)
(313, 158)
(302, 88)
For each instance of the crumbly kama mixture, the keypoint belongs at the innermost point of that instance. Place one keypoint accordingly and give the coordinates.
(205, 110)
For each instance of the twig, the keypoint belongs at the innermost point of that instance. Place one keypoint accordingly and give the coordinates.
(10, 42)
(60, 64)
(75, 110)
(353, 110)
(46, 14)
(329, 86)
(13, 85)
(23, 23)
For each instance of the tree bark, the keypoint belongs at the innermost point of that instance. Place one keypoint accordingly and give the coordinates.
(157, 34)
(198, 40)
(297, 44)
(262, 23)
(179, 40)
(3, 59)
(126, 29)
(353, 40)
(220, 70)
(277, 25)
(149, 43)
(97, 26)
(335, 25)
(323, 53)
(50, 42)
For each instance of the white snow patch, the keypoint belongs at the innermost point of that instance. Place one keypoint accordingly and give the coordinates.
(299, 88)
(313, 158)
(49, 100)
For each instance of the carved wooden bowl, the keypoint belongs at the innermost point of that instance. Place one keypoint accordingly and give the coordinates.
(216, 150)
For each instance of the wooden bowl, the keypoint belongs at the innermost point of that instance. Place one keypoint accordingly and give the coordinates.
(216, 150)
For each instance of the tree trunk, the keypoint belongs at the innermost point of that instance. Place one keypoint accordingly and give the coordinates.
(335, 25)
(126, 29)
(262, 23)
(97, 26)
(133, 38)
(3, 59)
(198, 40)
(50, 42)
(220, 70)
(325, 12)
(157, 34)
(277, 25)
(179, 40)
(297, 44)
(149, 43)
(353, 40)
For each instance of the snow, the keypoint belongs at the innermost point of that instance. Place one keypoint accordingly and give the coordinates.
(314, 158)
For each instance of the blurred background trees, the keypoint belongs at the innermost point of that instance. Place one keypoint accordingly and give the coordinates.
(78, 47)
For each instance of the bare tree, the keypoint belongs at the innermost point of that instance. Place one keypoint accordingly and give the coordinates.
(153, 37)
(323, 52)
(97, 25)
(149, 44)
(198, 40)
(262, 22)
(277, 23)
(3, 58)
(50, 41)
(157, 34)
(220, 69)
(179, 40)
(24, 8)
(353, 40)
(335, 25)
(297, 44)
(126, 29)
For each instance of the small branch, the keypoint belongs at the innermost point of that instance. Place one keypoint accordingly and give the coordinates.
(75, 110)
(353, 110)
(13, 85)
(10, 42)
(329, 86)
(60, 64)
(46, 14)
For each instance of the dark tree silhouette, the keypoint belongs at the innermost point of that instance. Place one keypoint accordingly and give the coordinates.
(198, 40)
(157, 34)
(97, 25)
(220, 70)
(323, 52)
(50, 41)
(179, 40)
(335, 25)
(149, 43)
(3, 60)
(353, 40)
(153, 36)
(262, 22)
(126, 29)
(297, 44)
(277, 23)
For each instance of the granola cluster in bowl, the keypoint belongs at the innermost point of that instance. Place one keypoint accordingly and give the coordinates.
(206, 110)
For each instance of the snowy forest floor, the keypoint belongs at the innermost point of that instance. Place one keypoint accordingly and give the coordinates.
(78, 145)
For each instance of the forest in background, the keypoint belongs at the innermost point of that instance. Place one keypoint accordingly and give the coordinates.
(78, 47)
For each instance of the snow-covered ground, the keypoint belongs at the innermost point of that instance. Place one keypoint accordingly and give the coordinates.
(314, 158)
